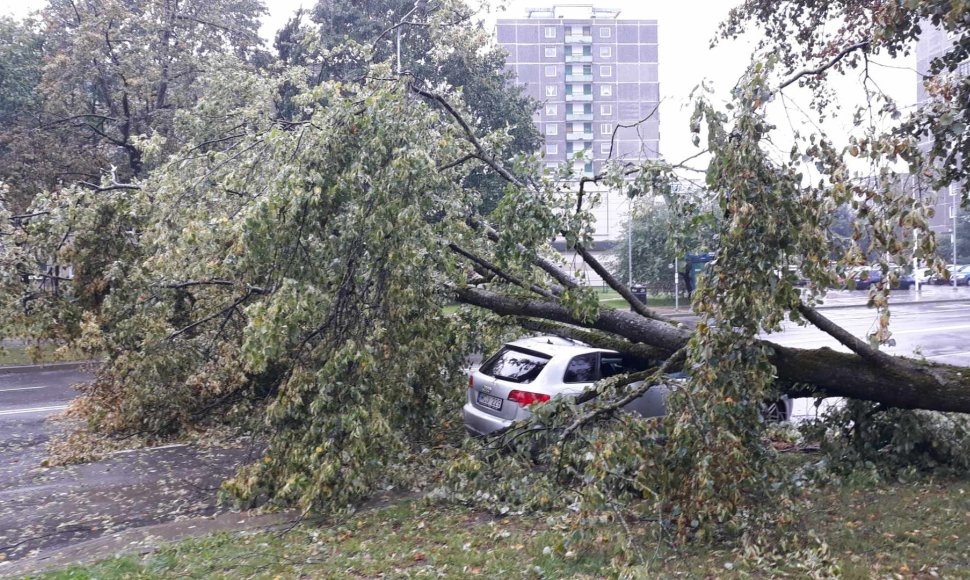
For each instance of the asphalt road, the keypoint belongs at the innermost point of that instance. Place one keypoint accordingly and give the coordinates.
(934, 323)
(44, 508)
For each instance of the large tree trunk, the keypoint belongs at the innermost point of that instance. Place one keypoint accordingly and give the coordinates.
(904, 382)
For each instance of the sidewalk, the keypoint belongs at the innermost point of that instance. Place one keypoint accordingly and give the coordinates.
(836, 299)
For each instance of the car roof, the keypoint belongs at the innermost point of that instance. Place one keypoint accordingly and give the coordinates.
(556, 345)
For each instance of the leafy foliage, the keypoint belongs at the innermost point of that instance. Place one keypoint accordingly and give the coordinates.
(290, 236)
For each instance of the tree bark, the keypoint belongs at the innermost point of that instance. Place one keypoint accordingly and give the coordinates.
(908, 383)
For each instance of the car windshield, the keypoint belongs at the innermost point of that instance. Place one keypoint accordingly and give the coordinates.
(516, 365)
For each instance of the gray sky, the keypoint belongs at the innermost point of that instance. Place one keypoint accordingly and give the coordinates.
(685, 29)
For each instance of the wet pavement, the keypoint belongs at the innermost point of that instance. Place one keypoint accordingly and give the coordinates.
(43, 508)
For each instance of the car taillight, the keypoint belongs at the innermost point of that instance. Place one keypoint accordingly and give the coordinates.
(525, 398)
(471, 381)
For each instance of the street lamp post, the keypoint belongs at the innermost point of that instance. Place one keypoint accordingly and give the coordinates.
(954, 237)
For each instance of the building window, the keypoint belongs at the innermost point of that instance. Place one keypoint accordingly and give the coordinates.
(551, 91)
(587, 69)
(606, 109)
(606, 90)
(588, 109)
(605, 148)
(551, 51)
(569, 148)
(587, 31)
(552, 110)
(552, 149)
(550, 31)
(605, 32)
(588, 128)
(606, 70)
(606, 51)
(588, 167)
(587, 89)
(552, 129)
(551, 70)
(606, 129)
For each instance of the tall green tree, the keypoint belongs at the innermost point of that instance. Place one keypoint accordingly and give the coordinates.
(117, 72)
(457, 51)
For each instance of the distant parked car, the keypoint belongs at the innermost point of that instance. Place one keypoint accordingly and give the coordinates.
(868, 277)
(532, 371)
(908, 280)
(961, 274)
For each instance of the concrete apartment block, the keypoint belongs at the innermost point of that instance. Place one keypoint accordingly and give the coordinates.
(934, 43)
(596, 75)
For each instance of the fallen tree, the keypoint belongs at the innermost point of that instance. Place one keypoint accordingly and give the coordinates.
(289, 275)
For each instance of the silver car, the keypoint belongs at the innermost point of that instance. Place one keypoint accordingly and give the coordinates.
(533, 370)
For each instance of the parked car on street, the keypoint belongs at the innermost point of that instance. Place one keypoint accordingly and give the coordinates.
(531, 371)
(868, 277)
(908, 280)
(961, 274)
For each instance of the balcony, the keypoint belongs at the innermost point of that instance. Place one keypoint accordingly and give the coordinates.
(579, 58)
(579, 98)
(580, 78)
(579, 136)
(579, 39)
(579, 116)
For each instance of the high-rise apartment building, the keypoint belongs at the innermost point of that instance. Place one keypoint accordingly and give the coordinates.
(597, 79)
(596, 75)
(934, 43)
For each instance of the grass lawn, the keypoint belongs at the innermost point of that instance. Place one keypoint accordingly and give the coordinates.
(22, 355)
(898, 530)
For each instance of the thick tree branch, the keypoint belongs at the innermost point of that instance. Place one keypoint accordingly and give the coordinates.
(544, 263)
(483, 153)
(638, 307)
(499, 272)
(820, 69)
(592, 338)
(849, 340)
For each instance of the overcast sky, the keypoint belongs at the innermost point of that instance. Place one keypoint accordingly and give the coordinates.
(685, 29)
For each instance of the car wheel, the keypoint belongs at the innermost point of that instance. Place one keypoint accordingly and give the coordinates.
(775, 412)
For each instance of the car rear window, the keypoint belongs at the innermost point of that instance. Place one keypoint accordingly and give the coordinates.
(516, 365)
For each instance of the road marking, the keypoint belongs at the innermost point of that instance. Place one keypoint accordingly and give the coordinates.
(21, 389)
(929, 330)
(33, 410)
(169, 446)
(962, 352)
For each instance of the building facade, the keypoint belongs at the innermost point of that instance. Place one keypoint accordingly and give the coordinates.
(596, 76)
(934, 43)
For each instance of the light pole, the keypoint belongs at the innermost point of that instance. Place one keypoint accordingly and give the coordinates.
(954, 237)
(629, 243)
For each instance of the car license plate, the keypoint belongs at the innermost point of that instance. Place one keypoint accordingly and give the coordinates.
(490, 401)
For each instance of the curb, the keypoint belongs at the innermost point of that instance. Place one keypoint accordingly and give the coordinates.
(689, 314)
(892, 304)
(66, 366)
(147, 539)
